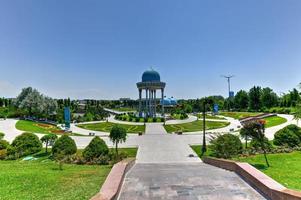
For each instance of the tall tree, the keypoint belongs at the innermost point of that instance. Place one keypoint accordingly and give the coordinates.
(241, 100)
(117, 135)
(255, 98)
(269, 98)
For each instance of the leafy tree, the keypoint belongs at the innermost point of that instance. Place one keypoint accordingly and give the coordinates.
(96, 148)
(117, 135)
(255, 130)
(65, 145)
(241, 100)
(255, 98)
(297, 114)
(26, 144)
(62, 149)
(226, 146)
(269, 98)
(48, 140)
(245, 135)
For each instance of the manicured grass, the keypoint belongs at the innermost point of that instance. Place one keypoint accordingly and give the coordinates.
(274, 121)
(124, 109)
(285, 167)
(195, 126)
(43, 180)
(200, 116)
(239, 115)
(197, 150)
(107, 126)
(37, 127)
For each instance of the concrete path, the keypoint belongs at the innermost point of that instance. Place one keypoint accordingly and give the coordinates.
(184, 182)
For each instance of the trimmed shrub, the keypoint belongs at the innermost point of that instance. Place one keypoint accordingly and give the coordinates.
(1, 135)
(25, 144)
(257, 146)
(295, 129)
(3, 144)
(226, 146)
(286, 137)
(96, 148)
(64, 146)
(3, 154)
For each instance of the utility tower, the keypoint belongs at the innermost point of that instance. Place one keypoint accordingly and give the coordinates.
(229, 82)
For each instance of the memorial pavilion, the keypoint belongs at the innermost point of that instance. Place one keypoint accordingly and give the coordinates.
(151, 82)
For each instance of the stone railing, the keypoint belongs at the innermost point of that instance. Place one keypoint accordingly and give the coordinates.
(266, 185)
(112, 185)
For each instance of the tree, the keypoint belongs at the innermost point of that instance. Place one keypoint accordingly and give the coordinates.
(117, 135)
(297, 114)
(62, 149)
(48, 140)
(269, 98)
(226, 146)
(255, 130)
(96, 148)
(244, 134)
(241, 100)
(255, 98)
(26, 144)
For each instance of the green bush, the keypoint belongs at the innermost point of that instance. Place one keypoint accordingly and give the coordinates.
(3, 154)
(226, 146)
(286, 137)
(95, 149)
(64, 146)
(1, 135)
(258, 146)
(295, 129)
(26, 144)
(3, 144)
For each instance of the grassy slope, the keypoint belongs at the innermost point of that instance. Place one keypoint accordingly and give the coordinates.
(107, 126)
(195, 126)
(285, 168)
(30, 126)
(274, 121)
(43, 180)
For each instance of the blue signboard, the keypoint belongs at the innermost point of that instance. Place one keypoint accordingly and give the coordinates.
(215, 108)
(67, 116)
(231, 94)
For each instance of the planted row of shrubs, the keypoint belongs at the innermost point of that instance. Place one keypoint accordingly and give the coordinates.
(64, 149)
(286, 140)
(132, 118)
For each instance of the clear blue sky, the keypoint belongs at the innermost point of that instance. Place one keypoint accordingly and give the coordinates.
(99, 49)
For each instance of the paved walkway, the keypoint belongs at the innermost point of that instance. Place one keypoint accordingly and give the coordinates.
(184, 182)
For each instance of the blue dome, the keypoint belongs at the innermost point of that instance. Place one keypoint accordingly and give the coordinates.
(169, 102)
(151, 76)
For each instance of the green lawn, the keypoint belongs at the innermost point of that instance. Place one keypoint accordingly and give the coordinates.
(42, 180)
(274, 121)
(239, 115)
(37, 127)
(123, 109)
(200, 116)
(285, 168)
(107, 126)
(195, 126)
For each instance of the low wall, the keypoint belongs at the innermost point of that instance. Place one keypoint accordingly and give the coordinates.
(112, 185)
(263, 183)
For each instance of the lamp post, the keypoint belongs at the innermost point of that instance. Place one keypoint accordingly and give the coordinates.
(204, 148)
